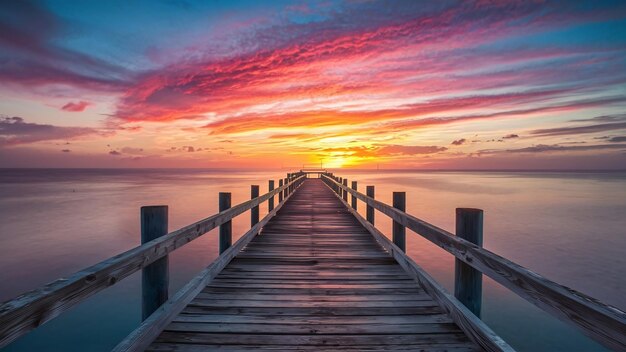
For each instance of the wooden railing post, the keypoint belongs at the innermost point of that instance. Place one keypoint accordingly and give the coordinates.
(340, 180)
(399, 231)
(345, 193)
(370, 209)
(285, 192)
(254, 212)
(468, 282)
(353, 199)
(226, 229)
(270, 202)
(280, 194)
(154, 277)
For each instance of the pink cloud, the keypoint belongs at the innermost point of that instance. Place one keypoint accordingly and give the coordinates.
(76, 107)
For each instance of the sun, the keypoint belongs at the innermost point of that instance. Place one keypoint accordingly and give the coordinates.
(339, 161)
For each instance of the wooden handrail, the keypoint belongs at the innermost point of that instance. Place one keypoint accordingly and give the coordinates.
(603, 323)
(149, 329)
(32, 309)
(471, 325)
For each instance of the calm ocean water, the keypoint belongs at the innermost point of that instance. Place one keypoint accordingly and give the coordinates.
(568, 227)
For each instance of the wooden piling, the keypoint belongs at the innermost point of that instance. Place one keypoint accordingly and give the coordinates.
(398, 230)
(280, 194)
(154, 277)
(285, 192)
(353, 198)
(370, 209)
(254, 212)
(340, 180)
(345, 193)
(226, 229)
(468, 282)
(339, 188)
(270, 201)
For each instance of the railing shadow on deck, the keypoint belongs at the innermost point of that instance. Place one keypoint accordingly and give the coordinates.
(601, 322)
(32, 309)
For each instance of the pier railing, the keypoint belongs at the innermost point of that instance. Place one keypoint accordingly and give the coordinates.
(604, 323)
(32, 309)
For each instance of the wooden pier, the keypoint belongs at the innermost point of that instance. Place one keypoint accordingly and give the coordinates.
(313, 275)
(314, 278)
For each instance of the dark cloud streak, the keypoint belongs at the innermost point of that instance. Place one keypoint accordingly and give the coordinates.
(561, 131)
(14, 130)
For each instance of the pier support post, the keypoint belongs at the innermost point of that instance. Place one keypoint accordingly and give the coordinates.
(270, 201)
(345, 193)
(370, 209)
(353, 198)
(154, 277)
(468, 282)
(286, 191)
(226, 229)
(288, 180)
(339, 188)
(398, 230)
(254, 212)
(280, 194)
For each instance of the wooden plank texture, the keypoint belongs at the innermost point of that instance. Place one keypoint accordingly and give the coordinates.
(314, 279)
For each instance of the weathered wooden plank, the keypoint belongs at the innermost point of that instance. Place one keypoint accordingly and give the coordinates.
(314, 290)
(312, 297)
(326, 329)
(311, 276)
(316, 260)
(603, 323)
(247, 303)
(167, 347)
(313, 280)
(314, 311)
(316, 271)
(386, 286)
(314, 320)
(310, 340)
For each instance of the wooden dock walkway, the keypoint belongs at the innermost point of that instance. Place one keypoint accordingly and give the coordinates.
(314, 279)
(313, 275)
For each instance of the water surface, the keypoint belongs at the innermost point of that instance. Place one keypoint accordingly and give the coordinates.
(568, 227)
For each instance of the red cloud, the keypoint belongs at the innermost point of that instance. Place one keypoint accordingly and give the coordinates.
(76, 107)
(376, 57)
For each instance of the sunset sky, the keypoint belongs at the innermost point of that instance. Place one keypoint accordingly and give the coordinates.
(355, 83)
